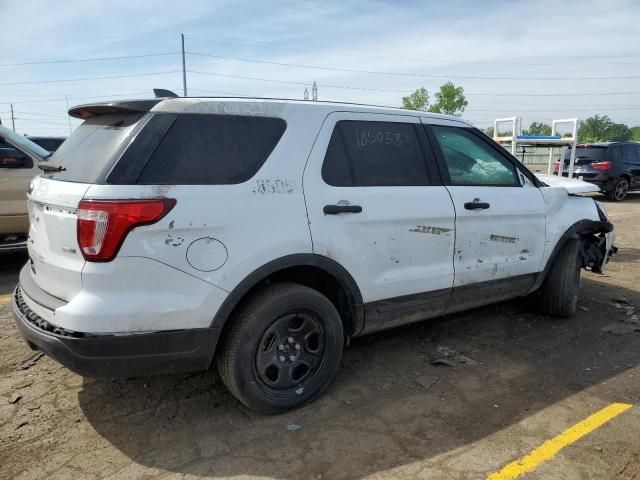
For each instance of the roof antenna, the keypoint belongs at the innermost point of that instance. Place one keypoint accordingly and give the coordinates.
(162, 93)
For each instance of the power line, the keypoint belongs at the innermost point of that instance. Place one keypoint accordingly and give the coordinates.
(269, 46)
(637, 107)
(351, 87)
(406, 74)
(62, 99)
(218, 92)
(95, 59)
(89, 78)
(45, 122)
(287, 82)
(31, 113)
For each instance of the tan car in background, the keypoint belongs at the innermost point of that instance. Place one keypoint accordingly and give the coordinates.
(19, 158)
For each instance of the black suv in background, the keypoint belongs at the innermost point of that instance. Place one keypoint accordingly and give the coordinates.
(51, 144)
(612, 166)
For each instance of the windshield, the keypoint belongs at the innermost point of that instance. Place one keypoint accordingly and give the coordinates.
(90, 149)
(23, 143)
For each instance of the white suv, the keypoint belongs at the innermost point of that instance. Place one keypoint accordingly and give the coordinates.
(170, 234)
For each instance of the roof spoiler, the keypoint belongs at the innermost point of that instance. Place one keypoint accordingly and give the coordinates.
(105, 108)
(162, 93)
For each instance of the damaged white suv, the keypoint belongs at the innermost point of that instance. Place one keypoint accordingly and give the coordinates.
(171, 234)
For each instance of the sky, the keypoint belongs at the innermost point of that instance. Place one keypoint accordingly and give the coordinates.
(541, 60)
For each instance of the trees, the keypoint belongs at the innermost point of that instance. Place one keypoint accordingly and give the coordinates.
(449, 99)
(635, 134)
(538, 128)
(600, 128)
(418, 100)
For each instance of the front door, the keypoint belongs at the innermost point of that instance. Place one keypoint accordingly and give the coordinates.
(500, 218)
(377, 207)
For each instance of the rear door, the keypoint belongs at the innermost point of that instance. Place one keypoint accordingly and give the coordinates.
(500, 218)
(377, 207)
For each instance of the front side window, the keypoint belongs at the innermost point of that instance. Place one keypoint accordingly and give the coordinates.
(363, 153)
(470, 161)
(203, 149)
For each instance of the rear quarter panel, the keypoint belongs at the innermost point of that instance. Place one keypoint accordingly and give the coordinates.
(222, 233)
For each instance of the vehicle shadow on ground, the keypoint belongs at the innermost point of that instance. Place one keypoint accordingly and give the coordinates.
(389, 406)
(10, 265)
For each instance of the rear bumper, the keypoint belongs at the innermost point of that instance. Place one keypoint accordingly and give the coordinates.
(605, 183)
(115, 355)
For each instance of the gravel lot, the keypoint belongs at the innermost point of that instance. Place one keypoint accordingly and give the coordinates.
(510, 380)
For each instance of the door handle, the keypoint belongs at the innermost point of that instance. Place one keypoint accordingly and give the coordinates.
(475, 205)
(336, 209)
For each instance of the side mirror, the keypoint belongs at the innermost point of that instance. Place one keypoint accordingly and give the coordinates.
(11, 158)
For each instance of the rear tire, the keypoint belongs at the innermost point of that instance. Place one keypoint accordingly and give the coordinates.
(283, 349)
(561, 286)
(619, 192)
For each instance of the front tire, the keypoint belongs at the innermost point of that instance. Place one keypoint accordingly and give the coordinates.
(620, 190)
(283, 349)
(560, 288)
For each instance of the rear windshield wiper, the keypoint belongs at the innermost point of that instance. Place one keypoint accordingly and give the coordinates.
(45, 167)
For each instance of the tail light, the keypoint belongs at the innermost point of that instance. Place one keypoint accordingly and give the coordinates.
(602, 165)
(104, 224)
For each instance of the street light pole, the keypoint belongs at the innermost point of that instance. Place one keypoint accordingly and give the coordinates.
(13, 120)
(184, 68)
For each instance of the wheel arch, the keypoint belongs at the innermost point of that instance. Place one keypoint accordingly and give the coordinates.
(315, 271)
(579, 228)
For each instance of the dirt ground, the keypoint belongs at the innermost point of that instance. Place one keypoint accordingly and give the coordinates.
(511, 380)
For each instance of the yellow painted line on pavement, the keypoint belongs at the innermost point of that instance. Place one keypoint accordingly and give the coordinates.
(551, 447)
(5, 299)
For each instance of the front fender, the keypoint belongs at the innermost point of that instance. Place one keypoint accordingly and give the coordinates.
(597, 247)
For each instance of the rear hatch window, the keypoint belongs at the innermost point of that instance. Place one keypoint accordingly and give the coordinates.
(91, 149)
(586, 155)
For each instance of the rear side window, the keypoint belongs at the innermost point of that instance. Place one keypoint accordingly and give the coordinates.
(212, 150)
(374, 154)
(632, 154)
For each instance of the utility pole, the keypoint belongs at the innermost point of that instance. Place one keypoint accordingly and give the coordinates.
(306, 93)
(184, 68)
(66, 97)
(314, 92)
(13, 120)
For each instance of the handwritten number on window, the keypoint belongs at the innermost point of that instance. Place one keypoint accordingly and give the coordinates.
(371, 137)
